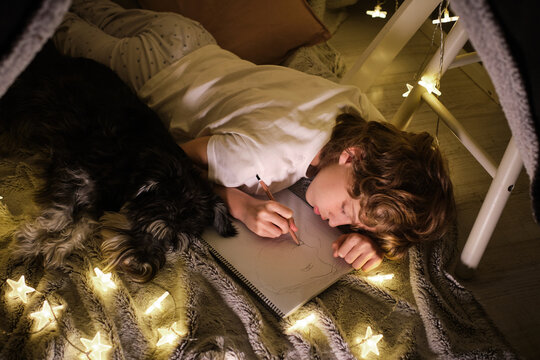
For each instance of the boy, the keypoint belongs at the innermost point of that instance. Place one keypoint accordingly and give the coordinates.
(281, 124)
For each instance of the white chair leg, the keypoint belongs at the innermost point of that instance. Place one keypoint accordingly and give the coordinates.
(461, 133)
(490, 212)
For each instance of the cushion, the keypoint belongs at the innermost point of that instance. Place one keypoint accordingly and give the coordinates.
(261, 31)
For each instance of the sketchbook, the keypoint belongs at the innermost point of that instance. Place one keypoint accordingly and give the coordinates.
(282, 274)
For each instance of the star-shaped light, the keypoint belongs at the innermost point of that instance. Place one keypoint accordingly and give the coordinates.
(376, 12)
(409, 88)
(95, 349)
(46, 315)
(303, 323)
(19, 289)
(429, 85)
(157, 304)
(169, 335)
(369, 343)
(380, 278)
(446, 18)
(103, 280)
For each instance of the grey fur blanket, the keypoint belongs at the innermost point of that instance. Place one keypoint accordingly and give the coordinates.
(423, 312)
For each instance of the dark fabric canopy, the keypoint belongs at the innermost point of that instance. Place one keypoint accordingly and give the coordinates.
(505, 36)
(25, 26)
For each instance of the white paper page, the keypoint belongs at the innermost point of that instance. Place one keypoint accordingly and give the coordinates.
(288, 275)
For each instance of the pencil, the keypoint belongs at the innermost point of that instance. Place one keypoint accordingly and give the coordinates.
(271, 197)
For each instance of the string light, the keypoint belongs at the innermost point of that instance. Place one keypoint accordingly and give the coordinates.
(303, 323)
(409, 88)
(19, 289)
(157, 304)
(377, 12)
(95, 349)
(429, 85)
(369, 343)
(446, 18)
(380, 278)
(46, 315)
(103, 280)
(169, 335)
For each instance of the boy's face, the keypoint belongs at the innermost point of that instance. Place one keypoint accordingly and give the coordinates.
(328, 194)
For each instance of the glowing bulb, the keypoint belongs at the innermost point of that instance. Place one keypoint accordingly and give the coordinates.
(46, 315)
(380, 278)
(369, 343)
(103, 280)
(409, 88)
(303, 323)
(157, 304)
(95, 349)
(19, 289)
(446, 18)
(169, 335)
(1, 197)
(429, 85)
(377, 12)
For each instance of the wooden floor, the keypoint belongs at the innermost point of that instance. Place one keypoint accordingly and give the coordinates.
(507, 281)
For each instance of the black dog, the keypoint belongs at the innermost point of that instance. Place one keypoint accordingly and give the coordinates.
(109, 165)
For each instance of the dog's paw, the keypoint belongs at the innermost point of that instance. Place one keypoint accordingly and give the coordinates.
(133, 253)
(222, 221)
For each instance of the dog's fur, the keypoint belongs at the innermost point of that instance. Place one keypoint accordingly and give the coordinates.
(110, 167)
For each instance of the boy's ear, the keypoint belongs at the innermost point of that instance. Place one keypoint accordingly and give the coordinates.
(349, 154)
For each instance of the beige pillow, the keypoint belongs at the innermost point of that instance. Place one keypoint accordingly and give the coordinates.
(261, 31)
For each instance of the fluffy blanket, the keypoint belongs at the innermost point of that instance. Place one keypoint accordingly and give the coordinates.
(423, 312)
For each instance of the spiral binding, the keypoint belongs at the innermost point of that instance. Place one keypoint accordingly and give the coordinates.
(246, 282)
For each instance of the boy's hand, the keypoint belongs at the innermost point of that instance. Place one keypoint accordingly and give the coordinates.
(358, 250)
(268, 218)
(264, 217)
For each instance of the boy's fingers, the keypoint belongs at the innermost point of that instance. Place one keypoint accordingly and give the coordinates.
(372, 263)
(280, 209)
(267, 229)
(281, 216)
(355, 254)
(292, 225)
(360, 262)
(337, 244)
(277, 221)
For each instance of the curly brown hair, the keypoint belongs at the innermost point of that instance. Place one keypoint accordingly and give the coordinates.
(400, 178)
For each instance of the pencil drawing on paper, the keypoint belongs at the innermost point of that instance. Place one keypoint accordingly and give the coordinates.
(305, 264)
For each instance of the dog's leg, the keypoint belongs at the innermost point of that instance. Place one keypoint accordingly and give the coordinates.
(222, 220)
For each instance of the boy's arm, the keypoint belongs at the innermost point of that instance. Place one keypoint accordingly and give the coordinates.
(196, 150)
(263, 217)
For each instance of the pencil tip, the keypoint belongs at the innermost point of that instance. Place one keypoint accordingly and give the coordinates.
(258, 178)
